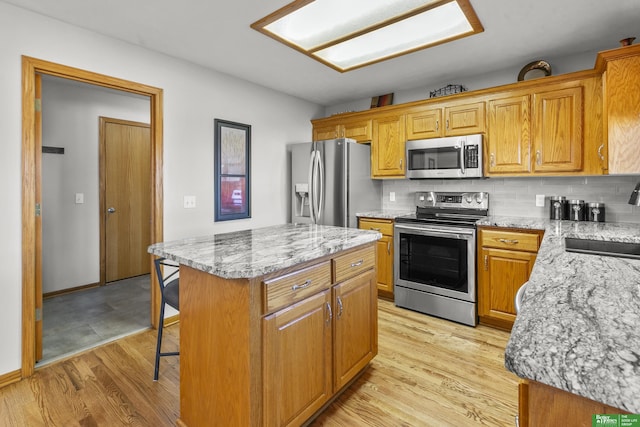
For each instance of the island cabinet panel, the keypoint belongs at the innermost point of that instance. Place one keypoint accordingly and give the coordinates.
(543, 405)
(285, 290)
(505, 260)
(355, 262)
(298, 358)
(356, 333)
(388, 146)
(557, 131)
(508, 137)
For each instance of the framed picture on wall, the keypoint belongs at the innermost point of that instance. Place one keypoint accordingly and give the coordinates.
(232, 154)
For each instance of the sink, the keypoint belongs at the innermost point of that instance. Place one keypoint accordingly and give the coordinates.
(603, 247)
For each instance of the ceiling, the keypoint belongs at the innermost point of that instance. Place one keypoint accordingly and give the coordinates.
(216, 35)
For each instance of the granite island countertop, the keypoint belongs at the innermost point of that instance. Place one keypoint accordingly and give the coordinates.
(579, 323)
(385, 213)
(256, 252)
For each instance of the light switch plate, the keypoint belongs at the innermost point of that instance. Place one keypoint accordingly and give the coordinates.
(79, 198)
(189, 202)
(539, 199)
(392, 196)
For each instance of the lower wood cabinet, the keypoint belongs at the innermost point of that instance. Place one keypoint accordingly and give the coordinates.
(505, 261)
(543, 405)
(384, 261)
(315, 347)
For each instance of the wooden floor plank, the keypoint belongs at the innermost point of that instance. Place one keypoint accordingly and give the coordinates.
(428, 372)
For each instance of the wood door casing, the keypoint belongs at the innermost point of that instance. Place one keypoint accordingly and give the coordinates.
(126, 185)
(38, 218)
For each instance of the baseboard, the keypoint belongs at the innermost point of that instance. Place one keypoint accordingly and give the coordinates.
(70, 290)
(10, 378)
(172, 319)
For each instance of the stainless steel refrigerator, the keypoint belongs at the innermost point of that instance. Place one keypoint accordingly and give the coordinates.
(331, 182)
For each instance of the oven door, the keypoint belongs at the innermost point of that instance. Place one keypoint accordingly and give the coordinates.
(437, 259)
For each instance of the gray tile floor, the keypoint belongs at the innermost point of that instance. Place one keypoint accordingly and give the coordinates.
(85, 319)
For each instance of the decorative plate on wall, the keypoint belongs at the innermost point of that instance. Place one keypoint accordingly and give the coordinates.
(534, 70)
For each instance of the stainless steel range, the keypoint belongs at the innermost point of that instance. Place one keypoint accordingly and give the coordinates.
(435, 255)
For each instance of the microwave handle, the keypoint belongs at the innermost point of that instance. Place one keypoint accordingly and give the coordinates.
(462, 156)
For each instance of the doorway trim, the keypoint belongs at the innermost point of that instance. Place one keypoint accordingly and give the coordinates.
(31, 152)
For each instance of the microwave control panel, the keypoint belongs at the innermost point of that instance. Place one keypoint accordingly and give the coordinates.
(471, 156)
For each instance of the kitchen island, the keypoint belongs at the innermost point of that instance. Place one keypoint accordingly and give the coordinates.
(578, 329)
(274, 322)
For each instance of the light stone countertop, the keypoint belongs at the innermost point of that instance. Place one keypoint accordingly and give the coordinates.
(579, 323)
(256, 252)
(384, 214)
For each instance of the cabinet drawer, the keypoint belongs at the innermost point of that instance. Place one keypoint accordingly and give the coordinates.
(381, 225)
(514, 240)
(353, 263)
(293, 287)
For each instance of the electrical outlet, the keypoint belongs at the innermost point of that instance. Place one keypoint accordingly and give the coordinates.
(189, 202)
(540, 200)
(392, 196)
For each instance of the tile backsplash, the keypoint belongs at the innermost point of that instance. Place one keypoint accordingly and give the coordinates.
(517, 196)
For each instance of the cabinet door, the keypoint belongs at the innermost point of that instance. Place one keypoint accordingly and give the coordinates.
(464, 119)
(356, 326)
(424, 124)
(297, 360)
(508, 135)
(622, 101)
(327, 131)
(557, 130)
(387, 146)
(500, 275)
(359, 130)
(384, 263)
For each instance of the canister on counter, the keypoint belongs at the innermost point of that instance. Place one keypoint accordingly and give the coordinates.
(558, 207)
(576, 210)
(595, 212)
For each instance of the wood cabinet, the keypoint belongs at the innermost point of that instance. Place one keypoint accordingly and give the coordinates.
(384, 261)
(274, 350)
(388, 146)
(541, 132)
(505, 261)
(621, 69)
(434, 121)
(358, 129)
(543, 405)
(317, 346)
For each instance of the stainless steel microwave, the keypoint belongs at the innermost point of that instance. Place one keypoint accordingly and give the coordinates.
(450, 157)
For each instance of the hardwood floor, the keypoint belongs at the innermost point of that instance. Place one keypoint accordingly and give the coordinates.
(428, 372)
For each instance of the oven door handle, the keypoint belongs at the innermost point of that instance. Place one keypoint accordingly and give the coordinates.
(457, 234)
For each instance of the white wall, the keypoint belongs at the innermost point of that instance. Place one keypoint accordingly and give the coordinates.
(71, 234)
(473, 81)
(193, 97)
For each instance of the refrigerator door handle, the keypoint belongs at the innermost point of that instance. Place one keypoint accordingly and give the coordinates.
(312, 196)
(321, 179)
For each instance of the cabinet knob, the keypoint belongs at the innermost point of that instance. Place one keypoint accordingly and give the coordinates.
(600, 152)
(492, 161)
(339, 307)
(389, 248)
(538, 158)
(400, 163)
(447, 124)
(329, 313)
(437, 125)
(486, 263)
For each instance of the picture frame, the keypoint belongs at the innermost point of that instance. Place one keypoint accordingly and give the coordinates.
(232, 166)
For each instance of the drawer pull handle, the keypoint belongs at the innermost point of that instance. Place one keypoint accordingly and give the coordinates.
(508, 241)
(600, 152)
(304, 285)
(375, 229)
(357, 264)
(339, 307)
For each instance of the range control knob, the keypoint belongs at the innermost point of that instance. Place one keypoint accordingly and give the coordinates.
(468, 198)
(479, 198)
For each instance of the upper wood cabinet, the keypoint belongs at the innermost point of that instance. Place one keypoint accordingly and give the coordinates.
(622, 108)
(557, 130)
(388, 146)
(359, 129)
(449, 120)
(507, 139)
(542, 132)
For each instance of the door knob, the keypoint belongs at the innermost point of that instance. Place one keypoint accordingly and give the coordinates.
(111, 210)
